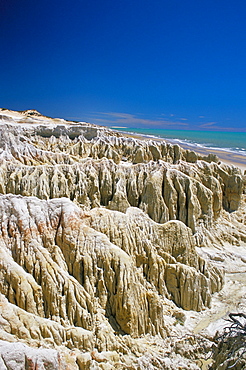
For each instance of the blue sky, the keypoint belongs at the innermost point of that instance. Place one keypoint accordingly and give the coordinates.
(166, 64)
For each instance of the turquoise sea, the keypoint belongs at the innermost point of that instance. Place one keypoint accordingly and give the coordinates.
(234, 142)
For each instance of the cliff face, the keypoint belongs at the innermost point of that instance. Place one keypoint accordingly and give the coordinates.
(99, 238)
(166, 183)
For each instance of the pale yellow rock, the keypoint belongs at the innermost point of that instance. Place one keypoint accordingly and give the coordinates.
(105, 241)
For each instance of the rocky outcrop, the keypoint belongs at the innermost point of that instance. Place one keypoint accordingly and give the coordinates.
(165, 255)
(61, 268)
(67, 284)
(93, 171)
(101, 240)
(165, 192)
(20, 356)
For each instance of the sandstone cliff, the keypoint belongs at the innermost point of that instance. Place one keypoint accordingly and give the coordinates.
(103, 242)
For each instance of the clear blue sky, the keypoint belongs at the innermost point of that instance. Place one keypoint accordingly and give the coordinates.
(167, 63)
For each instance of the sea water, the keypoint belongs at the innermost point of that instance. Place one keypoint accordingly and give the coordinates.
(229, 141)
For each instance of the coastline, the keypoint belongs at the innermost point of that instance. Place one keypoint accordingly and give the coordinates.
(235, 159)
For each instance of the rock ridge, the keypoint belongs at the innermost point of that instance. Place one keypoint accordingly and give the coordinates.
(104, 244)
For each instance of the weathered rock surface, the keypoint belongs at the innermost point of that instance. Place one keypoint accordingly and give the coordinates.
(104, 241)
(18, 356)
(187, 192)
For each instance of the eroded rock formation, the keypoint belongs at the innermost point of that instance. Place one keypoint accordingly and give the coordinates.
(99, 238)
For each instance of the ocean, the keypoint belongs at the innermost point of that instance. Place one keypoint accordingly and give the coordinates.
(234, 142)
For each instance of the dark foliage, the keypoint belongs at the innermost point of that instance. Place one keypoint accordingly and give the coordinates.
(231, 344)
